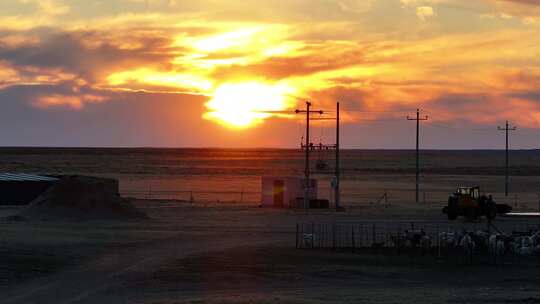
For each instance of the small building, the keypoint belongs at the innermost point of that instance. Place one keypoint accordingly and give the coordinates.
(285, 191)
(21, 189)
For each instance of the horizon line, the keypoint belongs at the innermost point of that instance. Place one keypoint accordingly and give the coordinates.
(257, 148)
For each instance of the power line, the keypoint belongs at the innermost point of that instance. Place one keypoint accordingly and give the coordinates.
(447, 126)
(367, 111)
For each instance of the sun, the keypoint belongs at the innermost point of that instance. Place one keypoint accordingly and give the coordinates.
(243, 105)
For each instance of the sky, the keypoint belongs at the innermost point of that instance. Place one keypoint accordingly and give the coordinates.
(212, 73)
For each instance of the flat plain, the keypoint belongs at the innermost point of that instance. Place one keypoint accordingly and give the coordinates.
(235, 252)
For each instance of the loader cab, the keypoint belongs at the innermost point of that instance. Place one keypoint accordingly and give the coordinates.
(473, 192)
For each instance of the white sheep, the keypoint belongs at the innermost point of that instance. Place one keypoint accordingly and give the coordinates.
(493, 243)
(536, 238)
(526, 247)
(501, 249)
(448, 239)
(425, 242)
(309, 239)
(467, 244)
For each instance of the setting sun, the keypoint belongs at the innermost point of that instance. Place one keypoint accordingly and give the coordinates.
(241, 105)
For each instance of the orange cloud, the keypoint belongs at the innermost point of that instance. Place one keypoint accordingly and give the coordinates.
(376, 66)
(66, 101)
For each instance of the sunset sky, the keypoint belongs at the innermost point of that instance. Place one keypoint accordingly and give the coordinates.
(174, 73)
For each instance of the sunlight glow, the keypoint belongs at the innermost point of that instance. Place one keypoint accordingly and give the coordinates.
(156, 78)
(226, 40)
(241, 105)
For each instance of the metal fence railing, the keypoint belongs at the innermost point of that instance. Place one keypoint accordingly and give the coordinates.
(507, 242)
(350, 198)
(195, 196)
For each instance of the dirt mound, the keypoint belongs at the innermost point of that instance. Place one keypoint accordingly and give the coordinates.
(82, 198)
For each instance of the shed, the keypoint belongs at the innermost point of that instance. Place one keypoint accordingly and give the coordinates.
(285, 191)
(21, 189)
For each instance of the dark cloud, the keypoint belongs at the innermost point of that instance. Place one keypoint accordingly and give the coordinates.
(284, 67)
(458, 102)
(127, 119)
(351, 98)
(528, 2)
(88, 54)
(527, 95)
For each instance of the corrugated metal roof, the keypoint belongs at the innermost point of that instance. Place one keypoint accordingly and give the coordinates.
(25, 177)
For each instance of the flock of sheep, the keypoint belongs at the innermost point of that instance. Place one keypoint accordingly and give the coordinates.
(452, 242)
(520, 244)
(457, 242)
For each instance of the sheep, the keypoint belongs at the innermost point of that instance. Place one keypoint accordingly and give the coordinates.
(413, 238)
(467, 244)
(309, 239)
(501, 249)
(481, 240)
(536, 238)
(526, 241)
(493, 242)
(448, 240)
(521, 246)
(398, 241)
(525, 247)
(537, 250)
(425, 242)
(515, 245)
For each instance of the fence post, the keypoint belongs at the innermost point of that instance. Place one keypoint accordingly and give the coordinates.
(352, 238)
(191, 199)
(242, 196)
(373, 234)
(334, 236)
(319, 233)
(340, 236)
(438, 242)
(301, 236)
(538, 259)
(296, 235)
(385, 235)
(325, 235)
(296, 246)
(361, 234)
(471, 254)
(312, 235)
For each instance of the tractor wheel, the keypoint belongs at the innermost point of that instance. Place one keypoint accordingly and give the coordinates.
(471, 214)
(451, 213)
(491, 212)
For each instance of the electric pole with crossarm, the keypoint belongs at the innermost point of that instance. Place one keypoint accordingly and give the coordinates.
(418, 119)
(307, 111)
(506, 128)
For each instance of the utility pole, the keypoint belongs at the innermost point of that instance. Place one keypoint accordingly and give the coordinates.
(336, 190)
(308, 147)
(507, 128)
(418, 119)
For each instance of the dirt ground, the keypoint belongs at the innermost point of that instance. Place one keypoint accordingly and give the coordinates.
(233, 254)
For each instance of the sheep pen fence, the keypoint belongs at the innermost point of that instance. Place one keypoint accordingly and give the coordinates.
(505, 242)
